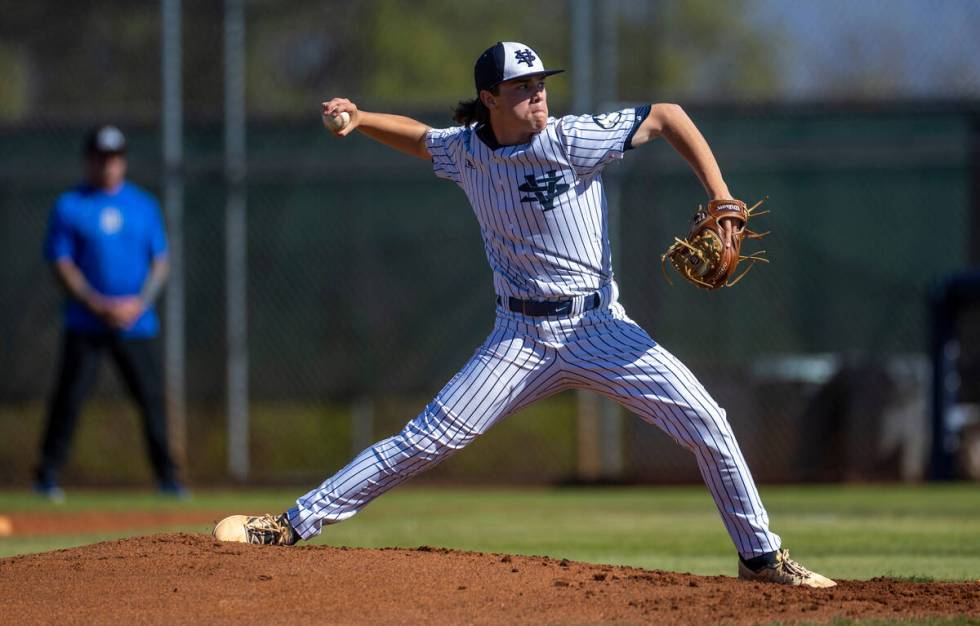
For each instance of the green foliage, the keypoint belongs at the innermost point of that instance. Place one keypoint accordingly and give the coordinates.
(422, 53)
(75, 55)
(383, 53)
(14, 94)
(695, 49)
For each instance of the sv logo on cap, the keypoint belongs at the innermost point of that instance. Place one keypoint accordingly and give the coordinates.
(525, 56)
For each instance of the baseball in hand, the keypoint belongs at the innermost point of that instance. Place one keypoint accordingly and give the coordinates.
(336, 122)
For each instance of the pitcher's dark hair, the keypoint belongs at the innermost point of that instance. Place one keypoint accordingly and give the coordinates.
(470, 111)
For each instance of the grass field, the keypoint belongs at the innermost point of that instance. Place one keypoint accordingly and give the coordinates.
(852, 532)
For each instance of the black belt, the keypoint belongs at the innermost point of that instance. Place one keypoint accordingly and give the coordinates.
(542, 308)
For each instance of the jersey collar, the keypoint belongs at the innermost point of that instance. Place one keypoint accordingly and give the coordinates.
(485, 133)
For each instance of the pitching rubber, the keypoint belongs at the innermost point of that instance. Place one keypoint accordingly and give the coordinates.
(231, 528)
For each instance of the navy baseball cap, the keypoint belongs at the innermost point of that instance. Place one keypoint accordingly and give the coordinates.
(507, 60)
(106, 139)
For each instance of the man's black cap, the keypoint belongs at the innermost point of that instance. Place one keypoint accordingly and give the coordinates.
(105, 139)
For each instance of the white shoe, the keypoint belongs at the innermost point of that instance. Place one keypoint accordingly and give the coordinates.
(785, 571)
(266, 530)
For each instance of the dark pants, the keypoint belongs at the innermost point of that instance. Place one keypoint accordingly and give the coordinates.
(139, 364)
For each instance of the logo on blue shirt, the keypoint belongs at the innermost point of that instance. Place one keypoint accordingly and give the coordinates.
(110, 220)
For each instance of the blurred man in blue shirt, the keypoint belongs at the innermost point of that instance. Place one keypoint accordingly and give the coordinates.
(107, 246)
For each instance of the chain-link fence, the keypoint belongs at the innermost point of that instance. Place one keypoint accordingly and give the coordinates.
(367, 286)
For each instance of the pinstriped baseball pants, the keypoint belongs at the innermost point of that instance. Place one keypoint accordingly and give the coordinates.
(526, 359)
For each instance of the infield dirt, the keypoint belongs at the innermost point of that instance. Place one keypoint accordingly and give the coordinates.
(190, 578)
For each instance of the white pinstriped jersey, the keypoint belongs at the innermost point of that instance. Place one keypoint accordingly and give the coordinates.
(540, 205)
(542, 213)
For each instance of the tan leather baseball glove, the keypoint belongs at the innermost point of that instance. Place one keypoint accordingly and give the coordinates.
(711, 252)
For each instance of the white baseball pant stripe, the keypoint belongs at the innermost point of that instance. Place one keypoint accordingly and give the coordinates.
(526, 359)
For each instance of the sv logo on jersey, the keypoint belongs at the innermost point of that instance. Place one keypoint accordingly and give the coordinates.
(545, 189)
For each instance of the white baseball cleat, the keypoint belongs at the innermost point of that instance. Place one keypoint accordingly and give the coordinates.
(266, 529)
(785, 571)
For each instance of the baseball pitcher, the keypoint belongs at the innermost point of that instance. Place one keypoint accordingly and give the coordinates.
(535, 185)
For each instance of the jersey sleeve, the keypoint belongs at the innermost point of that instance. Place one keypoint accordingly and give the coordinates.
(444, 147)
(59, 240)
(593, 141)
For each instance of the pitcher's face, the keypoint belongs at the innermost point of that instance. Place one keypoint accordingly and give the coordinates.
(523, 102)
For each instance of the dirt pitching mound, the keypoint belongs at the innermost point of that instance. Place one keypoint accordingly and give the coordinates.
(190, 578)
